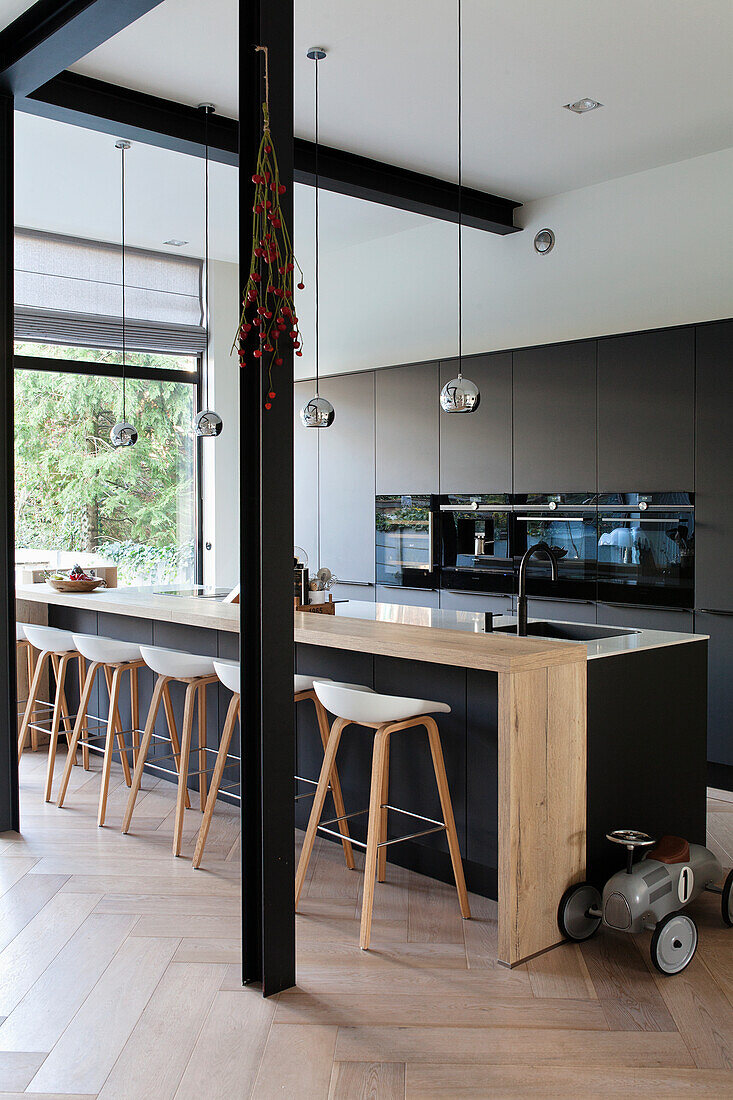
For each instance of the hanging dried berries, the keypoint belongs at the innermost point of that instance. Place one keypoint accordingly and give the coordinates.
(272, 265)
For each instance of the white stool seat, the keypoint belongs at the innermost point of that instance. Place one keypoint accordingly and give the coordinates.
(364, 705)
(20, 632)
(176, 663)
(50, 638)
(228, 673)
(305, 683)
(107, 650)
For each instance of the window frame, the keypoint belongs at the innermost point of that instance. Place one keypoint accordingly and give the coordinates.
(114, 370)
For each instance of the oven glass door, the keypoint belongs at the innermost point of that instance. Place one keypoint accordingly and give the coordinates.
(405, 541)
(646, 549)
(475, 551)
(565, 521)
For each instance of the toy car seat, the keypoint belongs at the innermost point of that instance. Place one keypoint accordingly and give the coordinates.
(670, 849)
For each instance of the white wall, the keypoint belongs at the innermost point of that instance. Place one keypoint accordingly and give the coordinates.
(641, 251)
(221, 455)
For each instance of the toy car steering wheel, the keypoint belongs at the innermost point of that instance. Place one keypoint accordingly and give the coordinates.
(630, 838)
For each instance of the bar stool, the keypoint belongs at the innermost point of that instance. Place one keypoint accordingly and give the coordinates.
(303, 687)
(196, 672)
(229, 674)
(56, 646)
(385, 714)
(114, 658)
(23, 646)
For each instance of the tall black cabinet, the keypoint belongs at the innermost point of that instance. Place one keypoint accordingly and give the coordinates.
(475, 448)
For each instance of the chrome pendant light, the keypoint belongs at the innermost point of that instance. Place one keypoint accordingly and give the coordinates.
(318, 412)
(460, 395)
(207, 424)
(123, 434)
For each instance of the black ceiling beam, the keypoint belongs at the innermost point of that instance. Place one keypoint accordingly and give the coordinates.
(98, 105)
(53, 34)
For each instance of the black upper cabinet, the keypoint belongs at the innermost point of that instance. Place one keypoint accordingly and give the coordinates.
(714, 470)
(347, 478)
(646, 386)
(555, 419)
(475, 448)
(408, 400)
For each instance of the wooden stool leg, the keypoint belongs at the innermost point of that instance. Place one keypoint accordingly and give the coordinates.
(30, 705)
(338, 798)
(329, 757)
(64, 705)
(183, 769)
(202, 747)
(379, 757)
(30, 670)
(117, 727)
(383, 818)
(160, 685)
(135, 712)
(79, 726)
(112, 721)
(82, 683)
(447, 807)
(56, 722)
(173, 733)
(221, 761)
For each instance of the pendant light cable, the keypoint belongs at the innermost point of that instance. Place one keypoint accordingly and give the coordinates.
(460, 195)
(123, 146)
(317, 227)
(207, 110)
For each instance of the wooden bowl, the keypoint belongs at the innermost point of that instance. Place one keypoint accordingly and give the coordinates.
(67, 585)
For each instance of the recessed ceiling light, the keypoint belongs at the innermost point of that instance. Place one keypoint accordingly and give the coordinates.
(582, 105)
(175, 242)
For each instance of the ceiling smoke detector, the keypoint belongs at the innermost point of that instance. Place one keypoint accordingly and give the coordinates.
(544, 241)
(581, 106)
(175, 243)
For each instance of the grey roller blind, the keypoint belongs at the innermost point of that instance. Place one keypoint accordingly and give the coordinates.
(69, 291)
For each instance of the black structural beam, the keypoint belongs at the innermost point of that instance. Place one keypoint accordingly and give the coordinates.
(53, 34)
(98, 105)
(9, 812)
(266, 547)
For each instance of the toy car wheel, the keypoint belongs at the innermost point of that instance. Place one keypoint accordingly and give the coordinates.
(726, 901)
(674, 943)
(573, 917)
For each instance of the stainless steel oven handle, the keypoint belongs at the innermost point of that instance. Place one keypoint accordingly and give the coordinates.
(554, 516)
(409, 588)
(474, 507)
(649, 508)
(636, 519)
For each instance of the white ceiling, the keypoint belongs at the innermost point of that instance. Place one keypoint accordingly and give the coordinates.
(663, 69)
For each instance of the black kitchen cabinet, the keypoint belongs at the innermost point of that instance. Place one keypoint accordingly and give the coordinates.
(646, 395)
(305, 476)
(347, 479)
(714, 467)
(719, 628)
(646, 618)
(407, 405)
(476, 448)
(555, 418)
(568, 611)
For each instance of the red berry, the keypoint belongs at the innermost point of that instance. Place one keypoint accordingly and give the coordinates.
(268, 148)
(299, 353)
(268, 405)
(301, 286)
(271, 394)
(255, 276)
(282, 189)
(257, 353)
(279, 362)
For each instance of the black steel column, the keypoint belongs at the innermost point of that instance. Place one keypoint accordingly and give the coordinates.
(9, 815)
(266, 495)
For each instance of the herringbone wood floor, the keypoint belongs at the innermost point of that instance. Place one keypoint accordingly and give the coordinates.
(119, 978)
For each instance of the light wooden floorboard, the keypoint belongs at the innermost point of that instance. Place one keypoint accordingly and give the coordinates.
(120, 976)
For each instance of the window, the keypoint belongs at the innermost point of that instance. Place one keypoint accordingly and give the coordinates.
(75, 493)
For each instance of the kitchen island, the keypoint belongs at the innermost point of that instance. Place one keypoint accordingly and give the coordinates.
(550, 743)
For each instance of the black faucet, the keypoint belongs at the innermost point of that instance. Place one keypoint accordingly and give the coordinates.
(540, 549)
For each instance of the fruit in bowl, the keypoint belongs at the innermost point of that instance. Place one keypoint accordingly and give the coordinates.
(76, 580)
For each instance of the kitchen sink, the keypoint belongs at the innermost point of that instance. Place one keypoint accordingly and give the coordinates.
(568, 632)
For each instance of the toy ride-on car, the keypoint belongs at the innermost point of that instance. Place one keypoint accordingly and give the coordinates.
(649, 894)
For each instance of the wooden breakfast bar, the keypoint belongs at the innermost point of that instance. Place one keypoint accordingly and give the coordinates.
(535, 778)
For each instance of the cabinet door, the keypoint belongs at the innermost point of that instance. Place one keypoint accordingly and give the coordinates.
(409, 597)
(408, 400)
(363, 592)
(720, 685)
(476, 448)
(305, 477)
(646, 618)
(714, 470)
(470, 601)
(347, 478)
(645, 411)
(569, 611)
(555, 419)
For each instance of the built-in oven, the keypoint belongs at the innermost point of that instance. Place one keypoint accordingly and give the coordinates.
(568, 522)
(406, 541)
(475, 549)
(646, 548)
